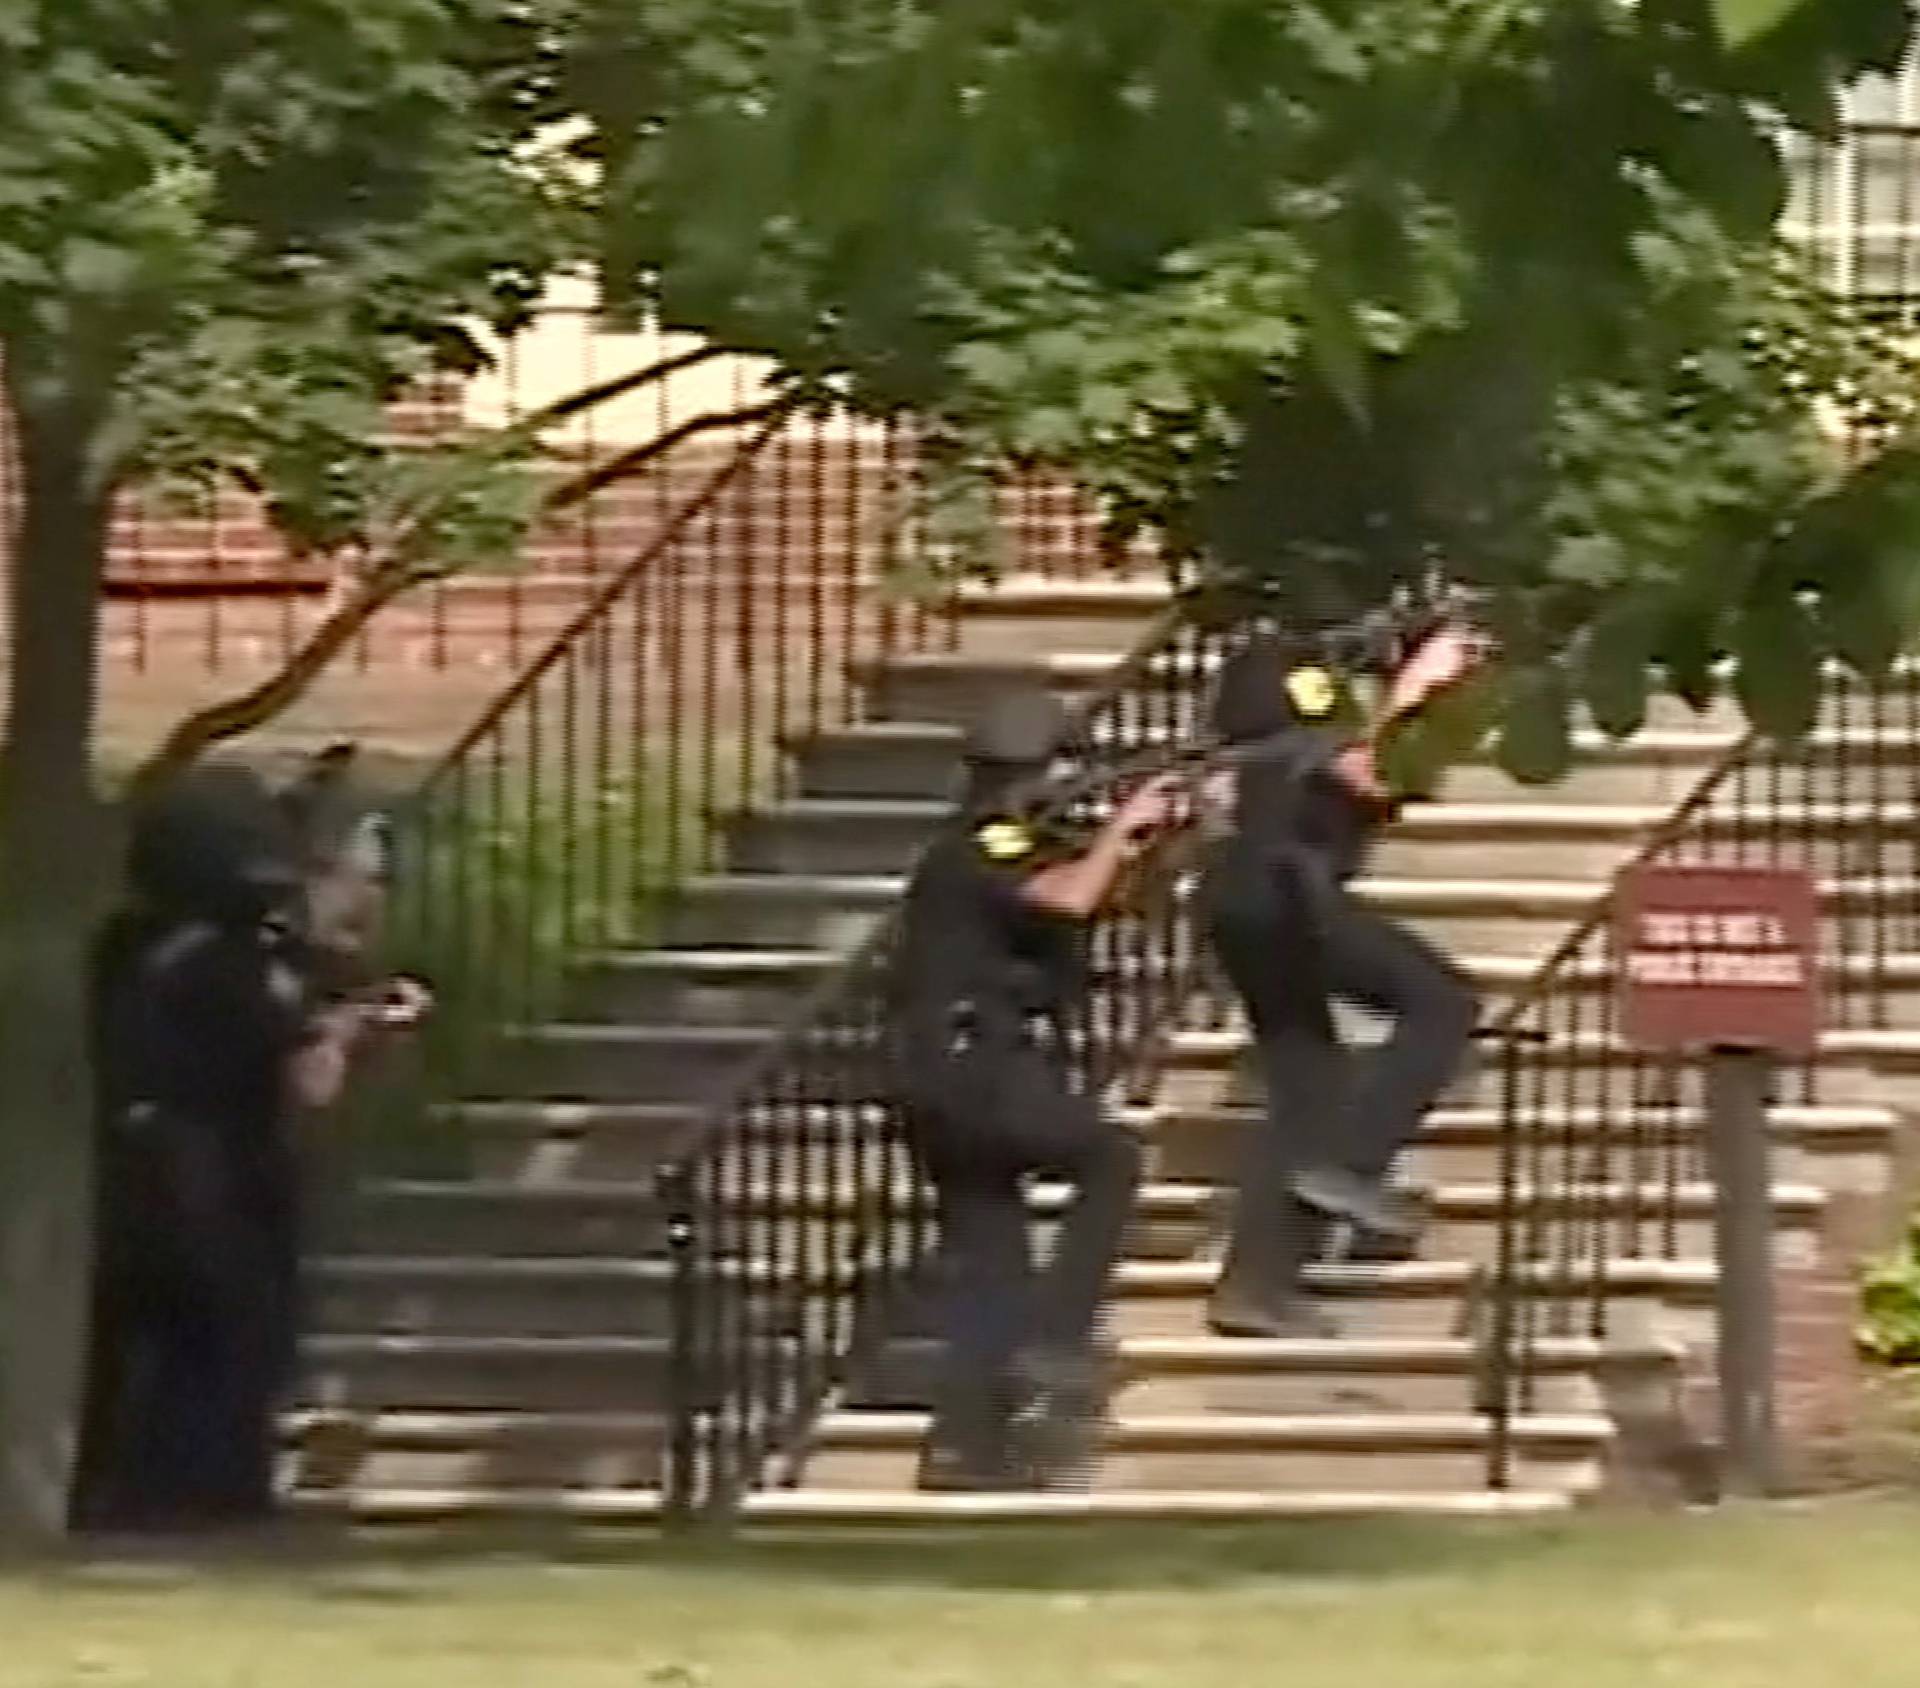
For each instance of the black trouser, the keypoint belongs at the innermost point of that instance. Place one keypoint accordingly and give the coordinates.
(193, 1328)
(1291, 942)
(983, 1120)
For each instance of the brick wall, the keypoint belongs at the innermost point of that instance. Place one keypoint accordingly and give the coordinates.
(203, 604)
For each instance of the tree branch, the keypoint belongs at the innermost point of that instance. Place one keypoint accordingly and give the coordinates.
(605, 392)
(235, 716)
(597, 479)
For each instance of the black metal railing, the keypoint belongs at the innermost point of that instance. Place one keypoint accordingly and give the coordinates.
(208, 588)
(799, 1226)
(610, 771)
(1602, 1170)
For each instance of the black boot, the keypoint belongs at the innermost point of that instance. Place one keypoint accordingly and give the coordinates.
(975, 1446)
(1365, 1202)
(1064, 1399)
(949, 1470)
(1235, 1313)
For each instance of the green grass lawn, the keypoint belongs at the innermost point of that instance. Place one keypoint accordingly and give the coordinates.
(1739, 1599)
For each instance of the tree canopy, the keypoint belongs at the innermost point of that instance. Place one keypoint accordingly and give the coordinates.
(233, 233)
(228, 235)
(1325, 293)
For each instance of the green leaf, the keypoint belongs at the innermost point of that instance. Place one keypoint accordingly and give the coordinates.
(1688, 653)
(1595, 560)
(1163, 389)
(1106, 406)
(1614, 666)
(1743, 21)
(1418, 748)
(1866, 625)
(1723, 158)
(988, 364)
(99, 270)
(1337, 350)
(1536, 738)
(1778, 676)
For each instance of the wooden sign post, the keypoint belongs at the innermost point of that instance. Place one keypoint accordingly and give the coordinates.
(1724, 963)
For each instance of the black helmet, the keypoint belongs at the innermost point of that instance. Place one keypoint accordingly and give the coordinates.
(213, 844)
(1021, 729)
(1250, 701)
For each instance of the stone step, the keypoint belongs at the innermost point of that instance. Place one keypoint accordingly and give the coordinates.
(1593, 973)
(813, 1509)
(1831, 1148)
(809, 1511)
(811, 835)
(561, 1213)
(1663, 766)
(786, 910)
(922, 759)
(1512, 917)
(478, 1218)
(951, 687)
(344, 1452)
(618, 1063)
(492, 1298)
(1529, 917)
(689, 986)
(1190, 1375)
(1452, 839)
(356, 1441)
(1667, 712)
(1580, 1217)
(451, 1370)
(534, 1142)
(1582, 1067)
(1418, 1452)
(1519, 918)
(879, 759)
(1651, 768)
(1031, 615)
(1434, 1299)
(1176, 1226)
(1447, 840)
(478, 1300)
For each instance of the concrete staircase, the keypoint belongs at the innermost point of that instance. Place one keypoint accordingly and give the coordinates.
(494, 1344)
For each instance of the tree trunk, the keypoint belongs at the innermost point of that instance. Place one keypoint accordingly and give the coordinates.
(51, 865)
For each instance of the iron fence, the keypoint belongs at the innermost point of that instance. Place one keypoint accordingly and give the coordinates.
(204, 586)
(798, 1224)
(1602, 1153)
(665, 707)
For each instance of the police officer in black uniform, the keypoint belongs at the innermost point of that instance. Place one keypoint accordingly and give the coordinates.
(989, 986)
(216, 1019)
(1307, 803)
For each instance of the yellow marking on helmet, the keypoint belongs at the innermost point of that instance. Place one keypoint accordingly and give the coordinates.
(1312, 691)
(1005, 841)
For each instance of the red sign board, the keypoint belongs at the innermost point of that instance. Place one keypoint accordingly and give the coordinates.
(1718, 957)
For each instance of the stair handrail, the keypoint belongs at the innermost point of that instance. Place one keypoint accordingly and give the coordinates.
(610, 592)
(858, 970)
(1553, 1264)
(795, 1025)
(1659, 836)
